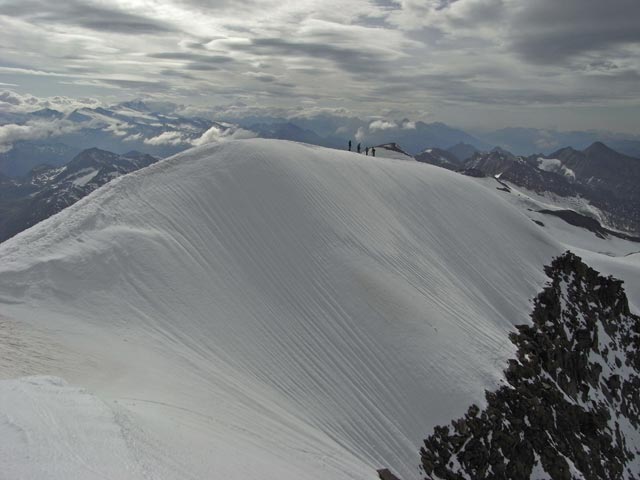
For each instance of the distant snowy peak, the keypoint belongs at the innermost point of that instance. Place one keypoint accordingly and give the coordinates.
(606, 178)
(136, 105)
(48, 113)
(528, 141)
(136, 125)
(48, 190)
(494, 162)
(599, 162)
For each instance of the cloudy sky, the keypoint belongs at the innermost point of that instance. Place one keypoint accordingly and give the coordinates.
(569, 64)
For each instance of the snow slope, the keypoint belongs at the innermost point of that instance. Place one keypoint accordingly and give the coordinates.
(87, 433)
(261, 309)
(612, 255)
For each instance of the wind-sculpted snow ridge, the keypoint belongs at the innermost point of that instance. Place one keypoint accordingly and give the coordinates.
(266, 309)
(571, 405)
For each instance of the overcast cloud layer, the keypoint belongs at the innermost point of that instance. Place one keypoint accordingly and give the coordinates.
(571, 64)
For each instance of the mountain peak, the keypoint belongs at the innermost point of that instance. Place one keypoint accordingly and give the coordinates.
(463, 150)
(94, 151)
(598, 147)
(502, 153)
(47, 113)
(89, 156)
(137, 105)
(462, 144)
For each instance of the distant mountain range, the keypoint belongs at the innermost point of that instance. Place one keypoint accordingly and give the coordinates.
(335, 132)
(54, 137)
(606, 178)
(596, 172)
(46, 190)
(121, 128)
(527, 141)
(442, 158)
(26, 155)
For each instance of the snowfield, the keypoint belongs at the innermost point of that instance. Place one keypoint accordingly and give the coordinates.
(261, 309)
(555, 165)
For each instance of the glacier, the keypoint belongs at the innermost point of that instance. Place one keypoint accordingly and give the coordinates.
(262, 308)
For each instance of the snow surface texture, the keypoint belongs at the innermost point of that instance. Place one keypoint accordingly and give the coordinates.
(88, 436)
(265, 309)
(613, 256)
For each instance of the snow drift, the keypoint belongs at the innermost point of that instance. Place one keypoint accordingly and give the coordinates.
(264, 309)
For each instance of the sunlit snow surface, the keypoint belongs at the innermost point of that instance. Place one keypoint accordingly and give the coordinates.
(260, 309)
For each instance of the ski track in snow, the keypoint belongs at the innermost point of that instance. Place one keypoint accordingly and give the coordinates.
(262, 309)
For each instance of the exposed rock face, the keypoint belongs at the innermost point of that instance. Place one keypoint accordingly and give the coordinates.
(570, 408)
(591, 224)
(386, 474)
(462, 151)
(523, 172)
(439, 158)
(608, 179)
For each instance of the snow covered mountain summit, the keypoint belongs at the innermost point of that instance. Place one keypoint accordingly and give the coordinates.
(260, 309)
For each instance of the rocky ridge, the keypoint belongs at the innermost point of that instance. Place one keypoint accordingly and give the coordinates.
(606, 178)
(570, 406)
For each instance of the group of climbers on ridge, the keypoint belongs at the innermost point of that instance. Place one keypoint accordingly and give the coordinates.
(366, 150)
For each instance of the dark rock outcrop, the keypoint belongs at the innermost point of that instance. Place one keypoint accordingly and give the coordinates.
(606, 178)
(570, 408)
(463, 151)
(439, 158)
(591, 224)
(385, 474)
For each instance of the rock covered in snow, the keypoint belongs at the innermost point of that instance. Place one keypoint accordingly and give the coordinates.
(392, 150)
(571, 406)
